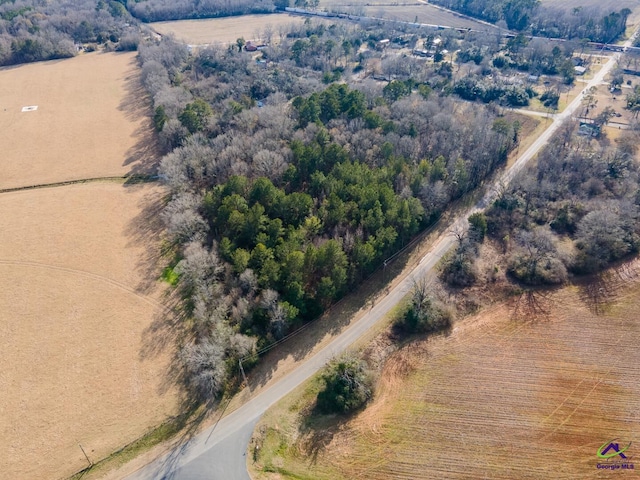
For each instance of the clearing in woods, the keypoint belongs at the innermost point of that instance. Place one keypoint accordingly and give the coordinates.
(510, 393)
(78, 302)
(228, 29)
(92, 120)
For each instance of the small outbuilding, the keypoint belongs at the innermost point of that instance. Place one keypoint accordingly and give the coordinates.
(382, 44)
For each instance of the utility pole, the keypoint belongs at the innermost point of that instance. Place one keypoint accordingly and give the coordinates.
(242, 370)
(384, 271)
(86, 456)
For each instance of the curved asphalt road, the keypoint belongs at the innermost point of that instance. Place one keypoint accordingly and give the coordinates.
(220, 454)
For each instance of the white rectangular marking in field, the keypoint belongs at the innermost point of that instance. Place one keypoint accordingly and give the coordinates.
(31, 108)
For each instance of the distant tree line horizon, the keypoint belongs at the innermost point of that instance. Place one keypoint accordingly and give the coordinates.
(32, 30)
(164, 10)
(597, 24)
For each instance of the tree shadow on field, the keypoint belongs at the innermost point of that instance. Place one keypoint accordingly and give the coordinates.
(144, 155)
(145, 230)
(166, 329)
(532, 305)
(599, 290)
(316, 431)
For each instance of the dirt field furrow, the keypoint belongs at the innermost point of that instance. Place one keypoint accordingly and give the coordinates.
(102, 278)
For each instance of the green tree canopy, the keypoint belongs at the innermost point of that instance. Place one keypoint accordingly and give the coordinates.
(194, 116)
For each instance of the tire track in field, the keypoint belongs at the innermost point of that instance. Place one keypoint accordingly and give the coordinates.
(91, 275)
(584, 399)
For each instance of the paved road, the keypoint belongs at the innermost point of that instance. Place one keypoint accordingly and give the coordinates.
(219, 454)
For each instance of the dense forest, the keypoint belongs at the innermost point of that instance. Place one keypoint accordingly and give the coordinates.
(32, 30)
(598, 24)
(287, 189)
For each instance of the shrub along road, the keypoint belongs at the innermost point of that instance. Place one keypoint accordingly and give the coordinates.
(219, 452)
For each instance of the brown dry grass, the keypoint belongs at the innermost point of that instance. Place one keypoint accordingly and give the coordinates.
(227, 30)
(530, 129)
(80, 364)
(92, 120)
(424, 13)
(506, 395)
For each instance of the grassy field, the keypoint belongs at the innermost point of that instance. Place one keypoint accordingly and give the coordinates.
(424, 13)
(90, 120)
(227, 30)
(78, 267)
(77, 305)
(527, 389)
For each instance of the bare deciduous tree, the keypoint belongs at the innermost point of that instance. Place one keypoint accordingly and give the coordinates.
(205, 367)
(535, 259)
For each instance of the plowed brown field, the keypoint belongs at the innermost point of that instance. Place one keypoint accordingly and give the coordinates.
(509, 394)
(604, 4)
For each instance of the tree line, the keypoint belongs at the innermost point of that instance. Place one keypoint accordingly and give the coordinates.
(31, 30)
(598, 24)
(161, 10)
